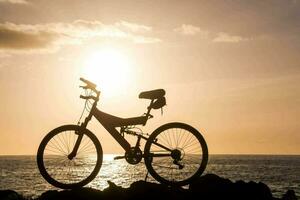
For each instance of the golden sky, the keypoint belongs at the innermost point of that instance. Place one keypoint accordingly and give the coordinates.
(230, 68)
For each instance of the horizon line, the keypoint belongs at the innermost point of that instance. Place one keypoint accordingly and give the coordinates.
(225, 154)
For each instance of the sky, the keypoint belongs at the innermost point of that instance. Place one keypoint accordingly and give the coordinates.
(230, 68)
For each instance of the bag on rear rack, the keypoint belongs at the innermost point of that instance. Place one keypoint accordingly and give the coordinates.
(159, 103)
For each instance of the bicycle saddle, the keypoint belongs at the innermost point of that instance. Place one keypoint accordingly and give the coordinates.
(152, 94)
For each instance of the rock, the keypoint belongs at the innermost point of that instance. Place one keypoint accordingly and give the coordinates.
(10, 195)
(209, 186)
(252, 190)
(114, 192)
(147, 190)
(289, 195)
(80, 193)
(210, 183)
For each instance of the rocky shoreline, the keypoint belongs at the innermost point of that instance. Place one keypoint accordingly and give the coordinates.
(209, 186)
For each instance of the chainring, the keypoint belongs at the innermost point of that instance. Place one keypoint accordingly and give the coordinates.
(134, 155)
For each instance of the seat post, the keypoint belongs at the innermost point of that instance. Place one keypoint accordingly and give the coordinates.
(149, 108)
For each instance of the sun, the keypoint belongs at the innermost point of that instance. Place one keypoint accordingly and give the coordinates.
(109, 68)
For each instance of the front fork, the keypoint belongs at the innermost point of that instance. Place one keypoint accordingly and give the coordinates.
(80, 136)
(77, 144)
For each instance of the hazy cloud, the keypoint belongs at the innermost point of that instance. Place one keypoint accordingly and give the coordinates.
(138, 39)
(18, 39)
(14, 1)
(225, 37)
(187, 29)
(134, 27)
(52, 35)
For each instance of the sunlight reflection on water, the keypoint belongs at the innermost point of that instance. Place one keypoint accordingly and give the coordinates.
(117, 171)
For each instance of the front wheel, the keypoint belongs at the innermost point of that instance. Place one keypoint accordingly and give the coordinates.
(175, 153)
(62, 171)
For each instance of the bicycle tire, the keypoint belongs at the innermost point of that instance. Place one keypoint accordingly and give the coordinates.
(43, 160)
(160, 136)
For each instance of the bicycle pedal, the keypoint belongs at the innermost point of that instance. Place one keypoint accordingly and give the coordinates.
(119, 157)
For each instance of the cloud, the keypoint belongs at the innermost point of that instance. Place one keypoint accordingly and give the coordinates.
(135, 27)
(225, 37)
(16, 39)
(51, 36)
(146, 40)
(187, 29)
(14, 1)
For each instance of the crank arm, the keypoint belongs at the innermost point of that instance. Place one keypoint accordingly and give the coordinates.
(159, 155)
(119, 157)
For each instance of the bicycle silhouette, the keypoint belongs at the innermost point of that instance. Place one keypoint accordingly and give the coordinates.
(71, 155)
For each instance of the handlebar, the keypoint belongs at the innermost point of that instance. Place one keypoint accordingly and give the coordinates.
(89, 85)
(92, 86)
(88, 97)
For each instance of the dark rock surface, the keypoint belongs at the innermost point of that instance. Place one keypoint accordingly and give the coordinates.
(209, 186)
(212, 186)
(10, 195)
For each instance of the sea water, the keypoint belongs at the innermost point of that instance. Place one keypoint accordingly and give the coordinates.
(280, 173)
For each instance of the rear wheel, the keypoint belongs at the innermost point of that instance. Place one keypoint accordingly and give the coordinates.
(61, 171)
(175, 153)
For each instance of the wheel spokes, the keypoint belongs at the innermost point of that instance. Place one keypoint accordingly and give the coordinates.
(60, 167)
(184, 159)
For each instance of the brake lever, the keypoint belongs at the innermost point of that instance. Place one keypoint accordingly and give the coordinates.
(84, 87)
(87, 87)
(89, 97)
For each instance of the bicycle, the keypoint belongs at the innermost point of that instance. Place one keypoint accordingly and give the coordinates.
(71, 156)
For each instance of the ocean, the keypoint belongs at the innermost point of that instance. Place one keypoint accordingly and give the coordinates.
(280, 173)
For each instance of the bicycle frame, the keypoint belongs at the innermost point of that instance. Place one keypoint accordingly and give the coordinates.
(110, 123)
